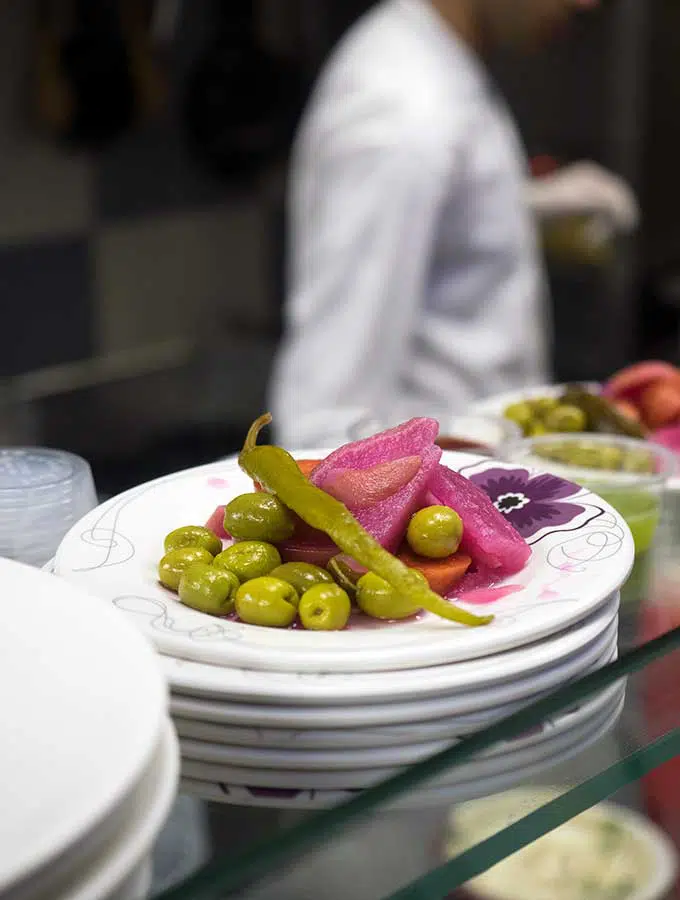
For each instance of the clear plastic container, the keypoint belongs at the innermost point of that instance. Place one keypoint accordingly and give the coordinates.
(43, 493)
(638, 493)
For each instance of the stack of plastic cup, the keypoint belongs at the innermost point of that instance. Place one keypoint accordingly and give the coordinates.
(43, 493)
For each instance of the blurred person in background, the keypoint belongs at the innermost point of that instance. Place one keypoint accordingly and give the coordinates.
(415, 279)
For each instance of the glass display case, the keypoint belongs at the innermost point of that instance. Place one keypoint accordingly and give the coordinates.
(606, 773)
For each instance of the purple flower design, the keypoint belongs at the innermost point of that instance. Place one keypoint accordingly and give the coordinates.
(531, 503)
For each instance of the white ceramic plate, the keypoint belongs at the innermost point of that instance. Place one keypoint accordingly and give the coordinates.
(286, 770)
(581, 555)
(445, 729)
(222, 791)
(70, 668)
(406, 712)
(386, 736)
(412, 750)
(314, 689)
(322, 737)
(135, 841)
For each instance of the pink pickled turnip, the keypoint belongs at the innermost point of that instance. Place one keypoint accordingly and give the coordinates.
(317, 553)
(387, 518)
(357, 488)
(409, 439)
(216, 524)
(488, 537)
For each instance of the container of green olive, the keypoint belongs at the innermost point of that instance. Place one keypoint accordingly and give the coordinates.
(631, 475)
(568, 409)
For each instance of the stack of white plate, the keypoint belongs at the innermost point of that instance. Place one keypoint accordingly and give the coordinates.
(300, 719)
(89, 757)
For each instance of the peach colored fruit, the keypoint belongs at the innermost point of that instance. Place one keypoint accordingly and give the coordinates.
(630, 382)
(660, 404)
(628, 409)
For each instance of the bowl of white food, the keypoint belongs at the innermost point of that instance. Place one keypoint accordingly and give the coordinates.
(606, 853)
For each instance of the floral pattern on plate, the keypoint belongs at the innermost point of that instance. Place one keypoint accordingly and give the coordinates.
(531, 502)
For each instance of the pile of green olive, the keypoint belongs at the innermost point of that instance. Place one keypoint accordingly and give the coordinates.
(574, 411)
(585, 454)
(248, 579)
(546, 415)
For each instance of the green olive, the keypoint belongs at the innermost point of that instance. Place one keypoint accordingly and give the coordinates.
(638, 461)
(590, 455)
(193, 536)
(521, 414)
(301, 575)
(176, 562)
(541, 406)
(566, 418)
(266, 601)
(207, 589)
(435, 532)
(379, 600)
(249, 559)
(325, 607)
(258, 517)
(612, 458)
(537, 429)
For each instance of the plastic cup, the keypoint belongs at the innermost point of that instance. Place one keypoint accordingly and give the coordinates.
(43, 493)
(632, 475)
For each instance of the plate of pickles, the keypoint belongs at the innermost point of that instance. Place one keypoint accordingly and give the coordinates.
(419, 556)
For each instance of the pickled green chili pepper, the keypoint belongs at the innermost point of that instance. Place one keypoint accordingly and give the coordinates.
(603, 415)
(344, 575)
(277, 472)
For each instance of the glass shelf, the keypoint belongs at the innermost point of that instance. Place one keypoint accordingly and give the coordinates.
(387, 843)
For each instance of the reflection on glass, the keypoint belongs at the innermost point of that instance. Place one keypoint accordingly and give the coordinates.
(605, 852)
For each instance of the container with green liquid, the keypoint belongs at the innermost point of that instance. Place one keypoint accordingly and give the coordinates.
(631, 475)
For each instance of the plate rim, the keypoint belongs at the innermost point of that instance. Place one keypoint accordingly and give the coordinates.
(302, 691)
(304, 651)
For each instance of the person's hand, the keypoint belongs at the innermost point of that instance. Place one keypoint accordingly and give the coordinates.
(585, 189)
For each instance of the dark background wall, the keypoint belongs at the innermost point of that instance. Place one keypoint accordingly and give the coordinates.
(140, 255)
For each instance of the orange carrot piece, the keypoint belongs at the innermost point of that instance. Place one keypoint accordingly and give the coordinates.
(441, 574)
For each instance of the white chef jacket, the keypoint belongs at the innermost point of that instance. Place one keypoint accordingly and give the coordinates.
(415, 281)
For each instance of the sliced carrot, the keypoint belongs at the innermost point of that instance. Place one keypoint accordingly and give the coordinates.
(441, 574)
(307, 466)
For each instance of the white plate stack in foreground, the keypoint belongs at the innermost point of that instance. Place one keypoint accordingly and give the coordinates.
(301, 719)
(90, 758)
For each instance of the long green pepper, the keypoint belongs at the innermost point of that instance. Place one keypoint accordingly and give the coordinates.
(277, 472)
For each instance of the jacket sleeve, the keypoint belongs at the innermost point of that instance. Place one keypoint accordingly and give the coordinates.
(362, 233)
